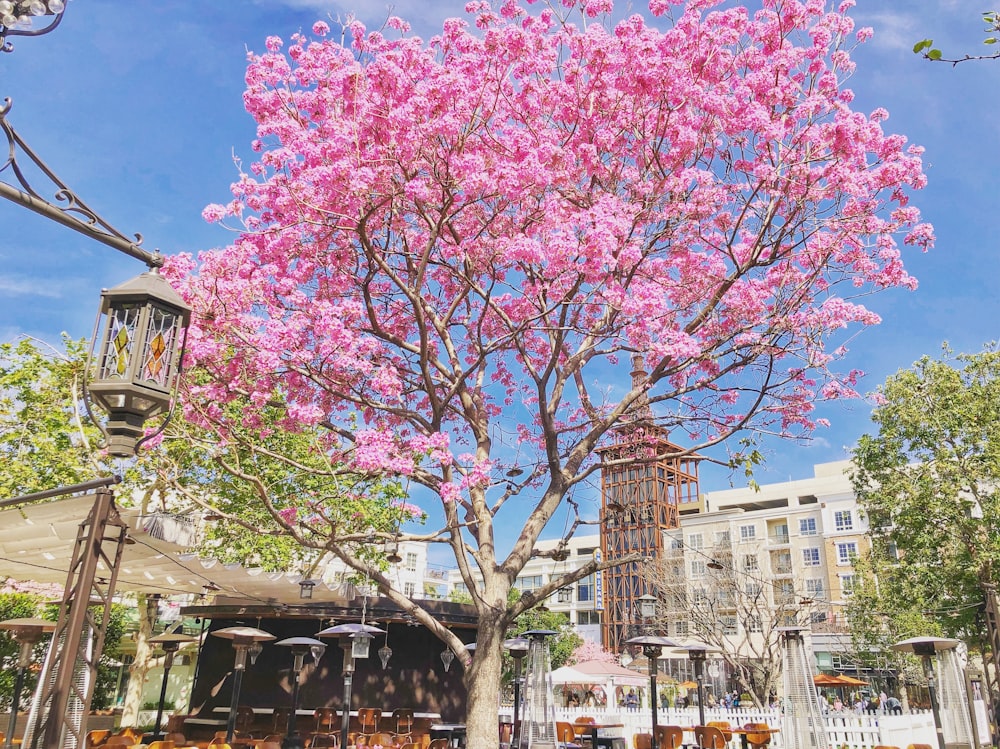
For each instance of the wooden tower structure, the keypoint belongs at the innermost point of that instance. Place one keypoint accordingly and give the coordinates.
(643, 485)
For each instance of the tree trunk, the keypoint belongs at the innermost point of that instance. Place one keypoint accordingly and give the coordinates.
(482, 680)
(139, 668)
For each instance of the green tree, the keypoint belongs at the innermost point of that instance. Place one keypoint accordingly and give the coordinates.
(929, 481)
(991, 19)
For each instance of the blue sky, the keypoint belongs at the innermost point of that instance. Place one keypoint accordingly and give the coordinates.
(137, 106)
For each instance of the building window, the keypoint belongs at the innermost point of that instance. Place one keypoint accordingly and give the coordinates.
(681, 628)
(565, 595)
(754, 624)
(754, 589)
(698, 568)
(750, 563)
(722, 537)
(817, 617)
(584, 618)
(728, 625)
(810, 557)
(527, 583)
(843, 521)
(585, 589)
(409, 589)
(807, 526)
(411, 561)
(696, 541)
(846, 552)
(748, 532)
(847, 584)
(814, 588)
(585, 551)
(779, 533)
(700, 596)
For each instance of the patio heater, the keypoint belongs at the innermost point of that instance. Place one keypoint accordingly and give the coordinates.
(803, 726)
(538, 726)
(652, 647)
(355, 639)
(697, 653)
(170, 642)
(299, 646)
(243, 639)
(949, 702)
(26, 632)
(518, 649)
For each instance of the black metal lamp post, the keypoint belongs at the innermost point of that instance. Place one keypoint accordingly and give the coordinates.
(926, 648)
(355, 639)
(300, 647)
(170, 642)
(243, 639)
(518, 649)
(26, 632)
(652, 647)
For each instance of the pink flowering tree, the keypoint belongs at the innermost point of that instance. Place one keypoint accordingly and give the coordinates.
(450, 252)
(591, 651)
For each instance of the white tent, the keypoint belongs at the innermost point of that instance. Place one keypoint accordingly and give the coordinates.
(569, 675)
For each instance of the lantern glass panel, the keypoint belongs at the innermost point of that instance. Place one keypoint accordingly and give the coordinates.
(120, 339)
(158, 365)
(359, 646)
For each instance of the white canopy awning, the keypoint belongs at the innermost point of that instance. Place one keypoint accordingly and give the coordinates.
(36, 544)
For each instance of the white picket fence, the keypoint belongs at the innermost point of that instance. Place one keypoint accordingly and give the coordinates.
(844, 730)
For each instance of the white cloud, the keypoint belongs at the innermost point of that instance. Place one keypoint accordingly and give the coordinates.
(28, 287)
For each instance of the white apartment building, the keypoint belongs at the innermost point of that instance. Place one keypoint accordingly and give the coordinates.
(578, 601)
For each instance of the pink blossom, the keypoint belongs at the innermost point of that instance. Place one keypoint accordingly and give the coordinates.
(321, 28)
(213, 213)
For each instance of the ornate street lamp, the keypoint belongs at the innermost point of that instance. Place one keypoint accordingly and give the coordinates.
(518, 649)
(355, 639)
(169, 642)
(306, 587)
(17, 18)
(652, 647)
(26, 632)
(300, 647)
(243, 638)
(136, 362)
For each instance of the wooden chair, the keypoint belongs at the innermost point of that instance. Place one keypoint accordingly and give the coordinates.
(566, 736)
(757, 740)
(322, 740)
(244, 719)
(326, 719)
(709, 737)
(279, 721)
(402, 718)
(94, 738)
(670, 737)
(919, 746)
(438, 744)
(723, 725)
(642, 741)
(269, 745)
(278, 737)
(368, 718)
(120, 740)
(217, 744)
(382, 739)
(161, 744)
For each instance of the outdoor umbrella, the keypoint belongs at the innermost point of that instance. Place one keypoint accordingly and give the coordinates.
(850, 681)
(828, 680)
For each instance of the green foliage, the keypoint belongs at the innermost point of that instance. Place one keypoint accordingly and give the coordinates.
(562, 644)
(990, 18)
(929, 481)
(46, 440)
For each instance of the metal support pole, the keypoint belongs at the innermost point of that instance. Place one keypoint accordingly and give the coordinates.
(292, 741)
(234, 701)
(932, 693)
(15, 704)
(699, 668)
(514, 737)
(652, 655)
(345, 720)
(168, 661)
